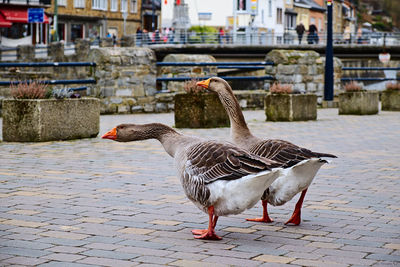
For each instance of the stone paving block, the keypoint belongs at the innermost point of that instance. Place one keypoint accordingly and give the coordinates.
(384, 257)
(145, 251)
(67, 249)
(154, 259)
(230, 261)
(110, 254)
(106, 262)
(63, 257)
(137, 231)
(63, 264)
(25, 252)
(230, 253)
(302, 262)
(346, 260)
(24, 261)
(273, 258)
(25, 244)
(64, 235)
(62, 241)
(194, 263)
(187, 256)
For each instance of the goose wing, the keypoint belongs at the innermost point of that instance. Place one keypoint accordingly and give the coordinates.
(285, 152)
(211, 161)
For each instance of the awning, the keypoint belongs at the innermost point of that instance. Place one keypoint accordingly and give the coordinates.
(290, 11)
(17, 14)
(3, 22)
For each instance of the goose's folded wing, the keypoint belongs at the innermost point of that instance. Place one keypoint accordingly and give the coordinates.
(210, 161)
(285, 152)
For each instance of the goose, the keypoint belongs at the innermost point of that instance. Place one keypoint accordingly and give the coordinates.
(292, 181)
(219, 178)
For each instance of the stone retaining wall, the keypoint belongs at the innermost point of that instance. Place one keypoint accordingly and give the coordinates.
(303, 69)
(185, 71)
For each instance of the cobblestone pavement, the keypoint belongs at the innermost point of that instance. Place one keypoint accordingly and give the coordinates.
(97, 202)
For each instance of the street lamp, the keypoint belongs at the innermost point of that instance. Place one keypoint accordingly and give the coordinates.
(328, 87)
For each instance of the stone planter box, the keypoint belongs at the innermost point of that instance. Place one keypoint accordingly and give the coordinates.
(359, 103)
(291, 107)
(391, 100)
(199, 111)
(50, 119)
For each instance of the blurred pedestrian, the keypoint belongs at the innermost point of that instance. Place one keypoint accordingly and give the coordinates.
(312, 37)
(300, 31)
(221, 35)
(139, 36)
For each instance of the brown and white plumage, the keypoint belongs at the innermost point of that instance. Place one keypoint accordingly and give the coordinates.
(304, 163)
(219, 178)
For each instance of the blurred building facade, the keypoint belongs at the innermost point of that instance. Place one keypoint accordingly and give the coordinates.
(96, 18)
(14, 25)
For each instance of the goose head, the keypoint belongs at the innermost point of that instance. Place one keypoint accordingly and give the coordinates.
(215, 84)
(137, 132)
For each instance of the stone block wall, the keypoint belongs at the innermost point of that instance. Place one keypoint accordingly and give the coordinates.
(303, 69)
(126, 78)
(185, 71)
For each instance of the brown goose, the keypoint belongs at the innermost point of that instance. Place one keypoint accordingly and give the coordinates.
(219, 178)
(305, 162)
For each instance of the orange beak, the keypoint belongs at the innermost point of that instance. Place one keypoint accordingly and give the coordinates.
(204, 83)
(110, 134)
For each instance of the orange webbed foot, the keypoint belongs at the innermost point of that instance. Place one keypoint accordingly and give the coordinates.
(199, 231)
(208, 236)
(295, 219)
(262, 219)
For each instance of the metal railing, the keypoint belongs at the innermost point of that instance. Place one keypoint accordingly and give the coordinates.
(370, 79)
(49, 64)
(228, 78)
(242, 38)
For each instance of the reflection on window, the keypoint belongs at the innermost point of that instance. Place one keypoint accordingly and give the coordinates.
(114, 5)
(133, 6)
(79, 3)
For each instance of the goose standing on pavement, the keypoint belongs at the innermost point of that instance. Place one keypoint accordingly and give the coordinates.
(291, 181)
(219, 178)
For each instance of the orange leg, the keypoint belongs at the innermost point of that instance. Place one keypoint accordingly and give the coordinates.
(296, 216)
(208, 234)
(265, 218)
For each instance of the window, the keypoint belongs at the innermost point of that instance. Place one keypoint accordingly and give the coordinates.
(62, 2)
(270, 8)
(262, 16)
(124, 6)
(79, 3)
(279, 15)
(133, 6)
(114, 5)
(99, 4)
(241, 5)
(290, 21)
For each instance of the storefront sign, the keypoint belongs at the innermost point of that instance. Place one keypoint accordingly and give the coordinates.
(35, 15)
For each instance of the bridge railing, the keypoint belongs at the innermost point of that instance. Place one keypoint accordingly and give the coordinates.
(50, 64)
(370, 79)
(219, 65)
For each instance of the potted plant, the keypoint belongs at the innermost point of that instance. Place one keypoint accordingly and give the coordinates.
(199, 109)
(281, 104)
(391, 97)
(33, 116)
(356, 101)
